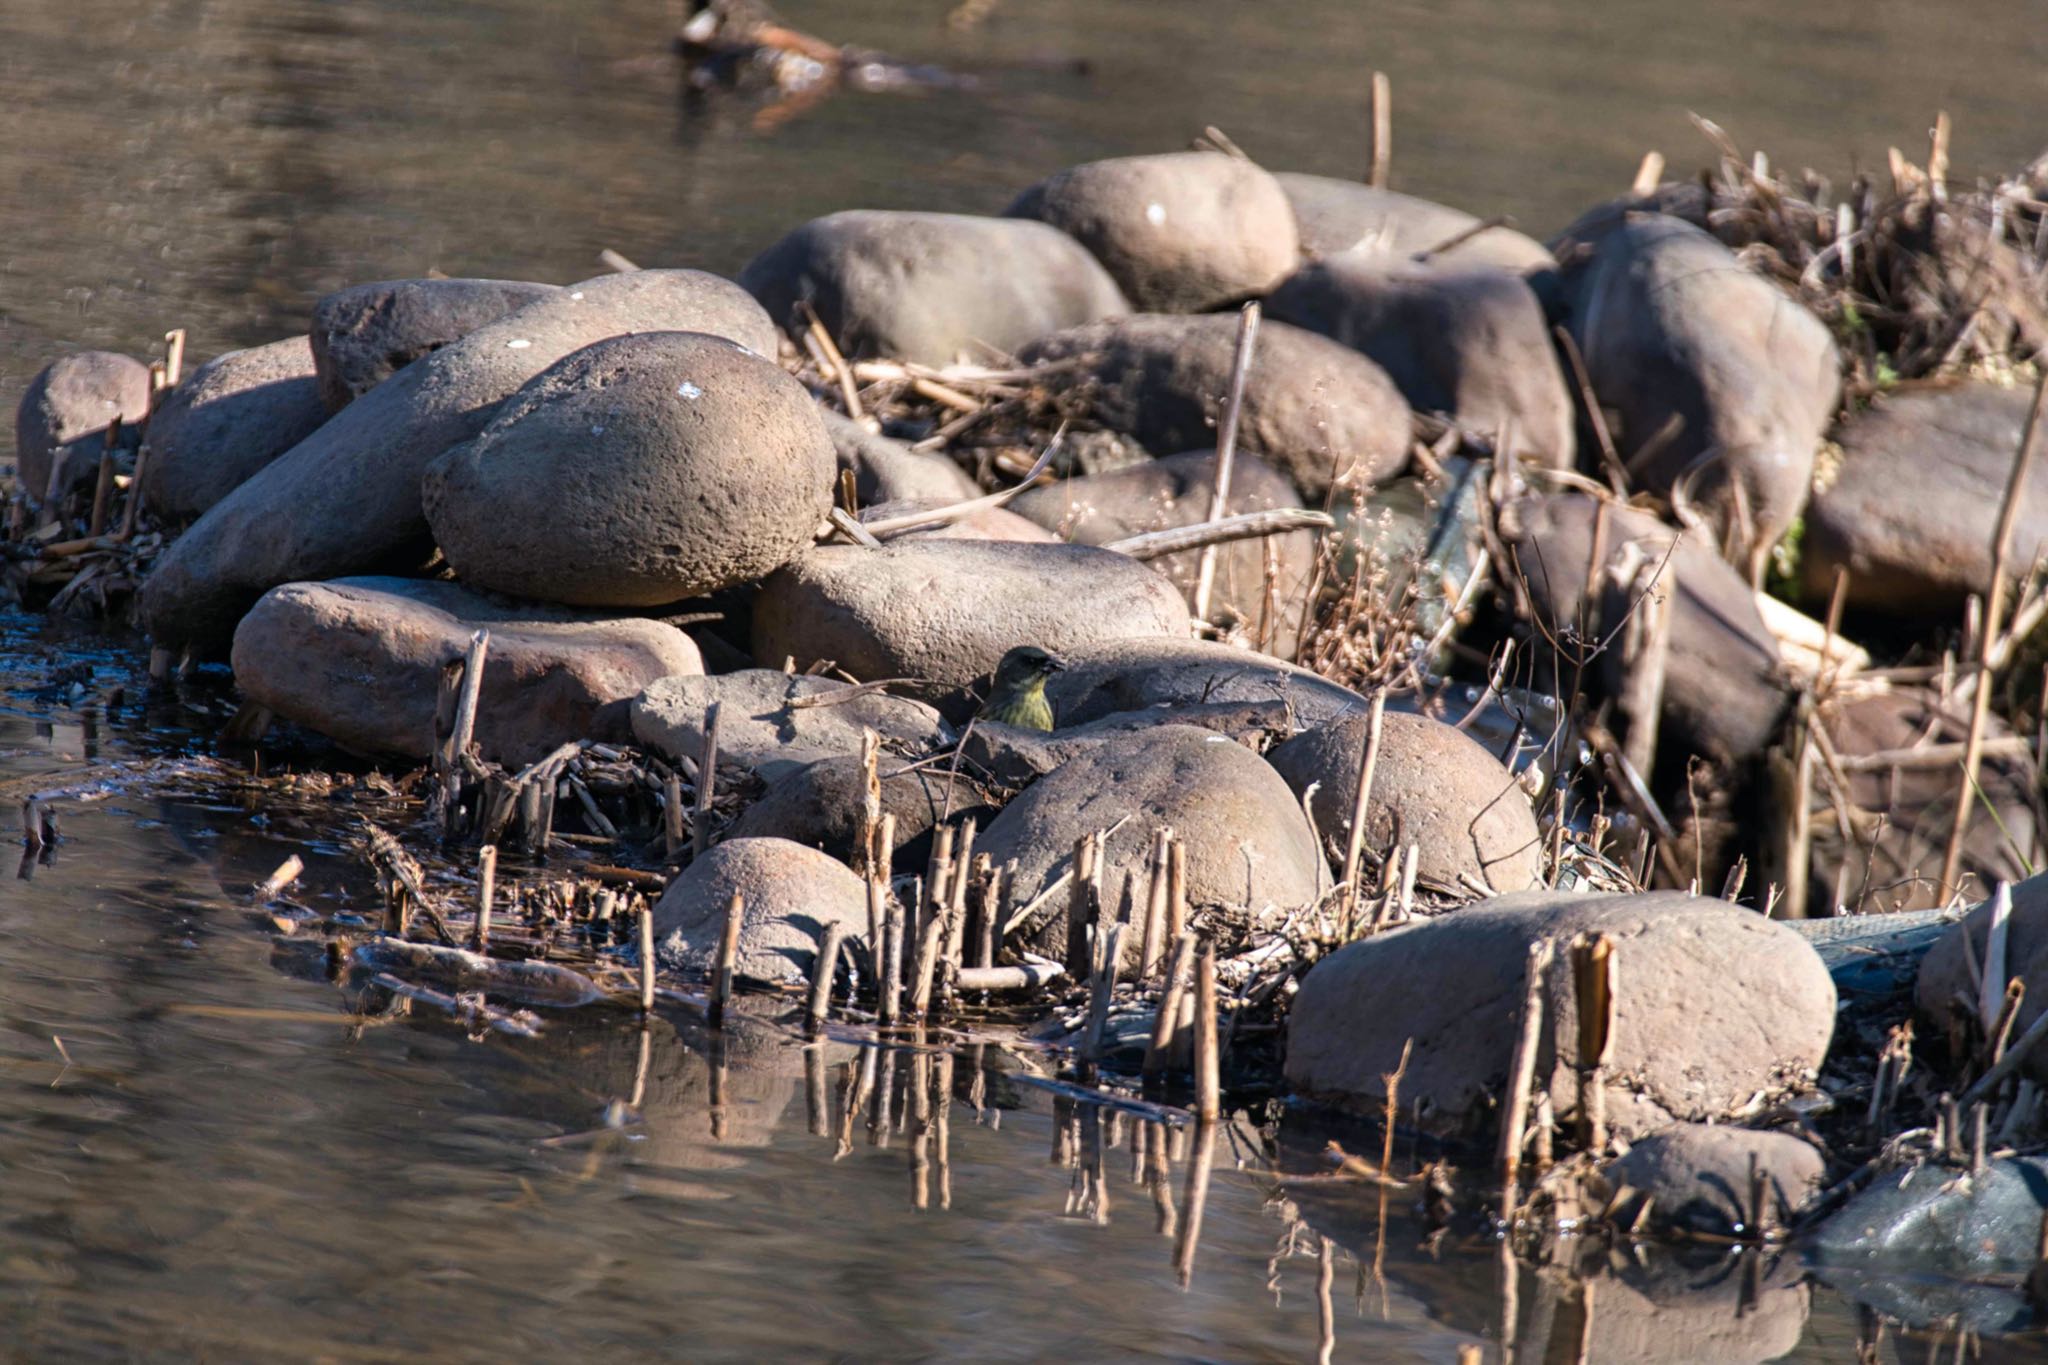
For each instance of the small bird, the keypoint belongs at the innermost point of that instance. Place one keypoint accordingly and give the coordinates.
(1018, 696)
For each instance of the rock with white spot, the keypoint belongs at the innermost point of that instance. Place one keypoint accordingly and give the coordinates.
(363, 334)
(639, 471)
(347, 498)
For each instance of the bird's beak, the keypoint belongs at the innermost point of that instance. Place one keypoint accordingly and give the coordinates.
(1055, 664)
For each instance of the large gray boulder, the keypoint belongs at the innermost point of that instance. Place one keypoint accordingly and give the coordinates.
(1343, 215)
(347, 498)
(1720, 385)
(1725, 693)
(1693, 1178)
(361, 660)
(931, 288)
(1946, 992)
(1713, 1003)
(1134, 675)
(1158, 495)
(1434, 786)
(1469, 341)
(1321, 413)
(761, 727)
(945, 611)
(1248, 845)
(1180, 232)
(361, 335)
(819, 805)
(226, 420)
(1932, 1221)
(72, 398)
(792, 893)
(641, 470)
(1913, 508)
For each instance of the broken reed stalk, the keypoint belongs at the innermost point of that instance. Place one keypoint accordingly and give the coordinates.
(287, 871)
(460, 736)
(1102, 993)
(174, 357)
(1360, 797)
(1082, 893)
(866, 857)
(647, 961)
(1382, 113)
(892, 964)
(1226, 449)
(1205, 534)
(486, 886)
(955, 898)
(1166, 1023)
(133, 509)
(103, 486)
(1154, 941)
(672, 829)
(1989, 1082)
(728, 955)
(1522, 1077)
(1994, 609)
(707, 784)
(1208, 1063)
(1176, 891)
(930, 946)
(822, 968)
(1593, 989)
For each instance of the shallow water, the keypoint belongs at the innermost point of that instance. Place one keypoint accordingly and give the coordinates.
(215, 1163)
(204, 1154)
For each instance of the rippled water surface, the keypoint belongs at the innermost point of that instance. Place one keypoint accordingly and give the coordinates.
(203, 1155)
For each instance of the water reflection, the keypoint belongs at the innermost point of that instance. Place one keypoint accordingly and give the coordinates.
(216, 1150)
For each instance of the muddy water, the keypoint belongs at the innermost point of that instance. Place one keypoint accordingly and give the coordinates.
(203, 1157)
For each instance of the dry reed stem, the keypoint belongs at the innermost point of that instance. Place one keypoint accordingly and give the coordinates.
(823, 966)
(1226, 449)
(707, 784)
(728, 956)
(1522, 1076)
(1360, 797)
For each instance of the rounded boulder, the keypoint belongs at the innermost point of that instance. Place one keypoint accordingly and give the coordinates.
(946, 610)
(1180, 232)
(363, 334)
(1138, 675)
(1712, 1003)
(770, 722)
(229, 418)
(74, 397)
(360, 660)
(791, 893)
(920, 286)
(1434, 786)
(1248, 844)
(1320, 412)
(637, 471)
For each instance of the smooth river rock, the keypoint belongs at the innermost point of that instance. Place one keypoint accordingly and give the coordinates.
(1722, 384)
(792, 894)
(1180, 232)
(819, 805)
(346, 499)
(945, 611)
(1134, 675)
(74, 397)
(1343, 215)
(1437, 786)
(1318, 411)
(930, 288)
(1724, 690)
(360, 660)
(1952, 966)
(1694, 1178)
(1468, 341)
(760, 727)
(641, 470)
(1248, 844)
(1712, 1004)
(1913, 508)
(226, 420)
(363, 334)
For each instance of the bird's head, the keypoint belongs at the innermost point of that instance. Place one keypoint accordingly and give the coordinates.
(1025, 667)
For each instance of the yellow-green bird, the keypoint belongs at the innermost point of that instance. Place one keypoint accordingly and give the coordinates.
(1018, 696)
